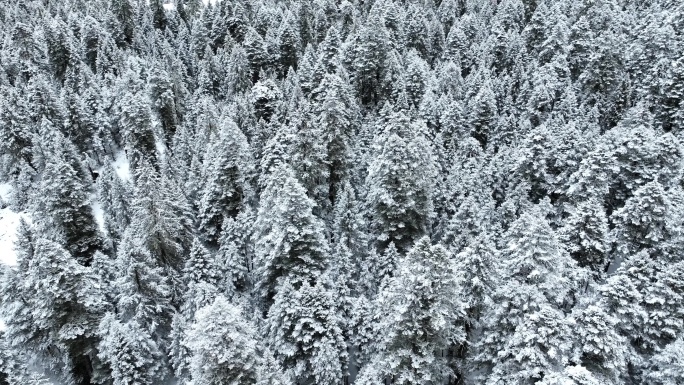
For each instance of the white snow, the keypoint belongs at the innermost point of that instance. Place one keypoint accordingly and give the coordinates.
(121, 166)
(5, 191)
(9, 222)
(161, 148)
(98, 213)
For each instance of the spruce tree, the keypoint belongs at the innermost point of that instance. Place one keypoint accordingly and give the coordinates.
(399, 185)
(529, 336)
(130, 351)
(290, 244)
(425, 317)
(227, 174)
(52, 307)
(222, 345)
(64, 202)
(303, 330)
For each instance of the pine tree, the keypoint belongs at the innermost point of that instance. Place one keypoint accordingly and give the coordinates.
(270, 373)
(163, 97)
(425, 317)
(647, 305)
(476, 268)
(223, 347)
(161, 217)
(643, 223)
(227, 174)
(309, 160)
(666, 367)
(114, 195)
(303, 330)
(600, 346)
(288, 45)
(239, 77)
(236, 252)
(131, 353)
(135, 121)
(368, 59)
(528, 336)
(482, 112)
(257, 55)
(290, 244)
(201, 279)
(124, 11)
(349, 238)
(64, 202)
(336, 115)
(377, 269)
(61, 46)
(52, 307)
(400, 184)
(143, 291)
(417, 31)
(17, 137)
(586, 237)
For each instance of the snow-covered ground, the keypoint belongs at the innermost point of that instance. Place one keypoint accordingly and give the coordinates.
(5, 190)
(121, 166)
(9, 222)
(97, 212)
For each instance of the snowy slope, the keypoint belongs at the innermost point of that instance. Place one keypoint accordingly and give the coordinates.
(9, 222)
(97, 212)
(121, 166)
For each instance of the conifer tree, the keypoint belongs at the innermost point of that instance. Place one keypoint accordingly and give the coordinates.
(666, 366)
(290, 245)
(600, 347)
(131, 353)
(235, 256)
(200, 278)
(530, 330)
(135, 121)
(114, 195)
(257, 55)
(143, 291)
(304, 332)
(586, 237)
(368, 59)
(161, 217)
(336, 113)
(227, 174)
(65, 204)
(52, 307)
(425, 317)
(223, 347)
(163, 98)
(399, 185)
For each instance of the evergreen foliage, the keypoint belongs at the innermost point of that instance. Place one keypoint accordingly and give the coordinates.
(287, 192)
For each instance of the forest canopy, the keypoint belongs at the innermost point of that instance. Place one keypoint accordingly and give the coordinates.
(335, 192)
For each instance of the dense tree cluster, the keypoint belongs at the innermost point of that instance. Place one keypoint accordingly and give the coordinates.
(413, 192)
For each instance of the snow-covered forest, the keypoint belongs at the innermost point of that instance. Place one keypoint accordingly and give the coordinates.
(337, 192)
